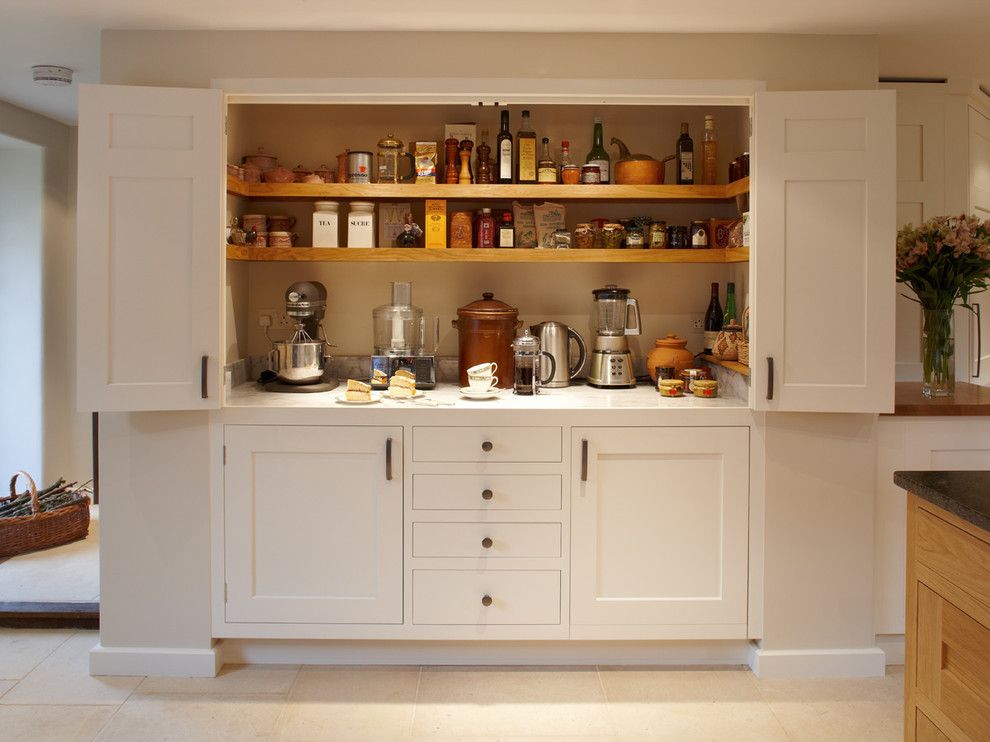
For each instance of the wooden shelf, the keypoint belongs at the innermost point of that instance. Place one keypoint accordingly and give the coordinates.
(508, 255)
(739, 368)
(384, 191)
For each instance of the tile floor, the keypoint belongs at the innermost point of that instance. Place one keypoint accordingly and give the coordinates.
(47, 695)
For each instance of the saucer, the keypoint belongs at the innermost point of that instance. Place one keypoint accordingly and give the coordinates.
(375, 397)
(470, 393)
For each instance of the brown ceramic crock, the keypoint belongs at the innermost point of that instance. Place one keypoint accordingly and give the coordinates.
(669, 351)
(485, 331)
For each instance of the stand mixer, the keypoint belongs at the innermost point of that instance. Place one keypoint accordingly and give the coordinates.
(611, 361)
(300, 361)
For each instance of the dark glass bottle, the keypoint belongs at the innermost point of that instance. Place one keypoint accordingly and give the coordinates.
(503, 152)
(410, 234)
(713, 319)
(598, 154)
(525, 152)
(730, 304)
(685, 157)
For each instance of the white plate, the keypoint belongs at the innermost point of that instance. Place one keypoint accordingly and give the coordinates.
(470, 393)
(417, 395)
(375, 397)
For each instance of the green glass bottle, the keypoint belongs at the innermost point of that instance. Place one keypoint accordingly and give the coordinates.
(730, 305)
(598, 154)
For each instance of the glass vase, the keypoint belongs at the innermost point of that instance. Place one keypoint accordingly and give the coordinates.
(938, 349)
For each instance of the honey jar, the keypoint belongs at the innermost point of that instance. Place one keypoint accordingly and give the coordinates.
(705, 388)
(671, 388)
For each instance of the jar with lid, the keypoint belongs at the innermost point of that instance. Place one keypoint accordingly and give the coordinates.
(658, 235)
(612, 236)
(485, 331)
(528, 359)
(390, 154)
(325, 224)
(699, 234)
(634, 237)
(584, 236)
(361, 224)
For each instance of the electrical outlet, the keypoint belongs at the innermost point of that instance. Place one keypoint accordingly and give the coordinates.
(698, 324)
(282, 321)
(266, 317)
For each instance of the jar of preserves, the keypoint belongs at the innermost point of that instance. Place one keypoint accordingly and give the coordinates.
(706, 388)
(658, 235)
(612, 236)
(584, 236)
(591, 174)
(634, 237)
(699, 234)
(671, 388)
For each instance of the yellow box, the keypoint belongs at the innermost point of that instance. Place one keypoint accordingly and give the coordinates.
(436, 224)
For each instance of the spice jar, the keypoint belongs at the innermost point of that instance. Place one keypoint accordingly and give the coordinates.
(612, 236)
(584, 236)
(706, 388)
(671, 388)
(485, 331)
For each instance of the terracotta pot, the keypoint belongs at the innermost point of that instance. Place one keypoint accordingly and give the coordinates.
(279, 175)
(485, 331)
(252, 173)
(261, 159)
(669, 351)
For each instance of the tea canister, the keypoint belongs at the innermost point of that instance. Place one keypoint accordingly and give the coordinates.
(591, 174)
(705, 388)
(699, 234)
(671, 388)
(658, 235)
(361, 224)
(325, 224)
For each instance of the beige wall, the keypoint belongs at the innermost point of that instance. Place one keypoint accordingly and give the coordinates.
(962, 55)
(66, 433)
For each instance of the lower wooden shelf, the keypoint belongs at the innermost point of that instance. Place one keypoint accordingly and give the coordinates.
(739, 368)
(505, 255)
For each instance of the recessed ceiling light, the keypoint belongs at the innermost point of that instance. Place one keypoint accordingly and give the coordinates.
(50, 74)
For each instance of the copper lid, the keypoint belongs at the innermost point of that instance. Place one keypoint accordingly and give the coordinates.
(671, 341)
(488, 307)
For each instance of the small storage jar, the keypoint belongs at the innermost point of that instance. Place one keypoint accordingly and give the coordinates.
(326, 224)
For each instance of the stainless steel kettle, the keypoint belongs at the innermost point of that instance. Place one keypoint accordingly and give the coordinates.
(555, 340)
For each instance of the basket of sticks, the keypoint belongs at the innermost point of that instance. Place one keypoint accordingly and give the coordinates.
(35, 520)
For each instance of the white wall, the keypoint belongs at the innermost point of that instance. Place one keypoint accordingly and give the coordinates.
(21, 399)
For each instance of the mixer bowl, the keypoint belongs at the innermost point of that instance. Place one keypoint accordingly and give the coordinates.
(299, 363)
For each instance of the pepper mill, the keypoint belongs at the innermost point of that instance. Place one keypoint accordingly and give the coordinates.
(465, 176)
(484, 166)
(450, 172)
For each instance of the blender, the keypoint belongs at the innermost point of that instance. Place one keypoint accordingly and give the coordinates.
(400, 330)
(611, 360)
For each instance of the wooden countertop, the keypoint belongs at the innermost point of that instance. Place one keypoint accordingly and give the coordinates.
(969, 400)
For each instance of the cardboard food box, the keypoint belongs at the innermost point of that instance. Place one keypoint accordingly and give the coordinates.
(436, 224)
(391, 219)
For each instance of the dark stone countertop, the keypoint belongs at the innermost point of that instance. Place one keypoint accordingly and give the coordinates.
(963, 493)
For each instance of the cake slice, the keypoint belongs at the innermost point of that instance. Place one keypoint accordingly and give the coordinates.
(403, 373)
(353, 385)
(357, 391)
(402, 381)
(401, 392)
(379, 377)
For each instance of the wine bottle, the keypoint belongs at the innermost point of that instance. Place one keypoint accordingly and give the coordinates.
(685, 157)
(713, 319)
(525, 152)
(503, 152)
(709, 165)
(598, 154)
(730, 304)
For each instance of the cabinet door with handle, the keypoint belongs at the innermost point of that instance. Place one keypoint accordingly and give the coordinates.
(659, 530)
(313, 524)
(824, 201)
(150, 218)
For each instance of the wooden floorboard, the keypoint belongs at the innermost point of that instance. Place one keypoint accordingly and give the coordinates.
(35, 615)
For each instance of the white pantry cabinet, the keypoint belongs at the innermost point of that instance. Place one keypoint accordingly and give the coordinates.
(823, 257)
(313, 524)
(659, 530)
(150, 216)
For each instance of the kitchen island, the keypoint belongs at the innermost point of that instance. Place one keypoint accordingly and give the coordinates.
(947, 675)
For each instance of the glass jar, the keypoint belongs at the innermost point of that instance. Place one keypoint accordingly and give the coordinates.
(658, 235)
(670, 388)
(612, 236)
(584, 236)
(634, 237)
(699, 234)
(707, 388)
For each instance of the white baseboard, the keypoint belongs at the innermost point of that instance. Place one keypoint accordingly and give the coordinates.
(159, 661)
(818, 663)
(893, 647)
(319, 652)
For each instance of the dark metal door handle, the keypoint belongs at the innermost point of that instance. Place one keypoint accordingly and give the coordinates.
(388, 459)
(584, 460)
(769, 377)
(203, 368)
(979, 339)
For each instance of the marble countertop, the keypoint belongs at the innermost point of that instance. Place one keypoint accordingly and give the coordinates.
(447, 396)
(962, 493)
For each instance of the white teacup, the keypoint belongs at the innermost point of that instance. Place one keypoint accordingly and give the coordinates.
(482, 382)
(483, 369)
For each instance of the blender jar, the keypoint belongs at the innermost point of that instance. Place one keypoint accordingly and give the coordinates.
(612, 312)
(399, 326)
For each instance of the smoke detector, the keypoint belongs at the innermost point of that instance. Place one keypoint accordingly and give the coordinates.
(50, 74)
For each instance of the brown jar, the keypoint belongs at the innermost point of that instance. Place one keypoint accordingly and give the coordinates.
(485, 331)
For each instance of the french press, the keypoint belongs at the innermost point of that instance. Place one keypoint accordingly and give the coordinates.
(528, 358)
(390, 153)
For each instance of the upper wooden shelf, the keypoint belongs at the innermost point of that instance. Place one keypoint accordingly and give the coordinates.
(493, 255)
(385, 191)
(739, 368)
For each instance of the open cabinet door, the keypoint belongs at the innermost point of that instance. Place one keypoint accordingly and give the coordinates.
(977, 322)
(150, 252)
(823, 251)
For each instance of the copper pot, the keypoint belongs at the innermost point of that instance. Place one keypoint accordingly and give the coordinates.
(485, 331)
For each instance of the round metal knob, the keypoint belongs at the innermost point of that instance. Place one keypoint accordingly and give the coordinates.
(487, 494)
(487, 446)
(486, 542)
(486, 601)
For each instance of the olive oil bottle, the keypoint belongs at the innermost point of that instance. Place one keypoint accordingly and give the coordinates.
(525, 152)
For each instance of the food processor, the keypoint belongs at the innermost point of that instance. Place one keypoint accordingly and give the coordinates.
(400, 330)
(611, 360)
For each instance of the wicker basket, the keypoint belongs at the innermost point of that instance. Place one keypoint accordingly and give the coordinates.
(744, 352)
(25, 533)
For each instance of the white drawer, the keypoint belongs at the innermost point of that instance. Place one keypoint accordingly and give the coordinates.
(486, 492)
(459, 597)
(496, 444)
(487, 540)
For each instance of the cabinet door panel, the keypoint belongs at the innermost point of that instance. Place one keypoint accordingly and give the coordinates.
(978, 324)
(660, 526)
(313, 528)
(824, 204)
(149, 256)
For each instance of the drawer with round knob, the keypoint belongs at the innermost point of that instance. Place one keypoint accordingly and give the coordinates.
(496, 444)
(486, 597)
(486, 492)
(486, 540)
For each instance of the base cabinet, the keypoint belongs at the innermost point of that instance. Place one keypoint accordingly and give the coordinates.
(313, 524)
(659, 529)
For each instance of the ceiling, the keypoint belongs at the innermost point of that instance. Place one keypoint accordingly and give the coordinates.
(67, 32)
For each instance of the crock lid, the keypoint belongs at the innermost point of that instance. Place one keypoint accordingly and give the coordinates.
(488, 307)
(611, 291)
(260, 153)
(671, 341)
